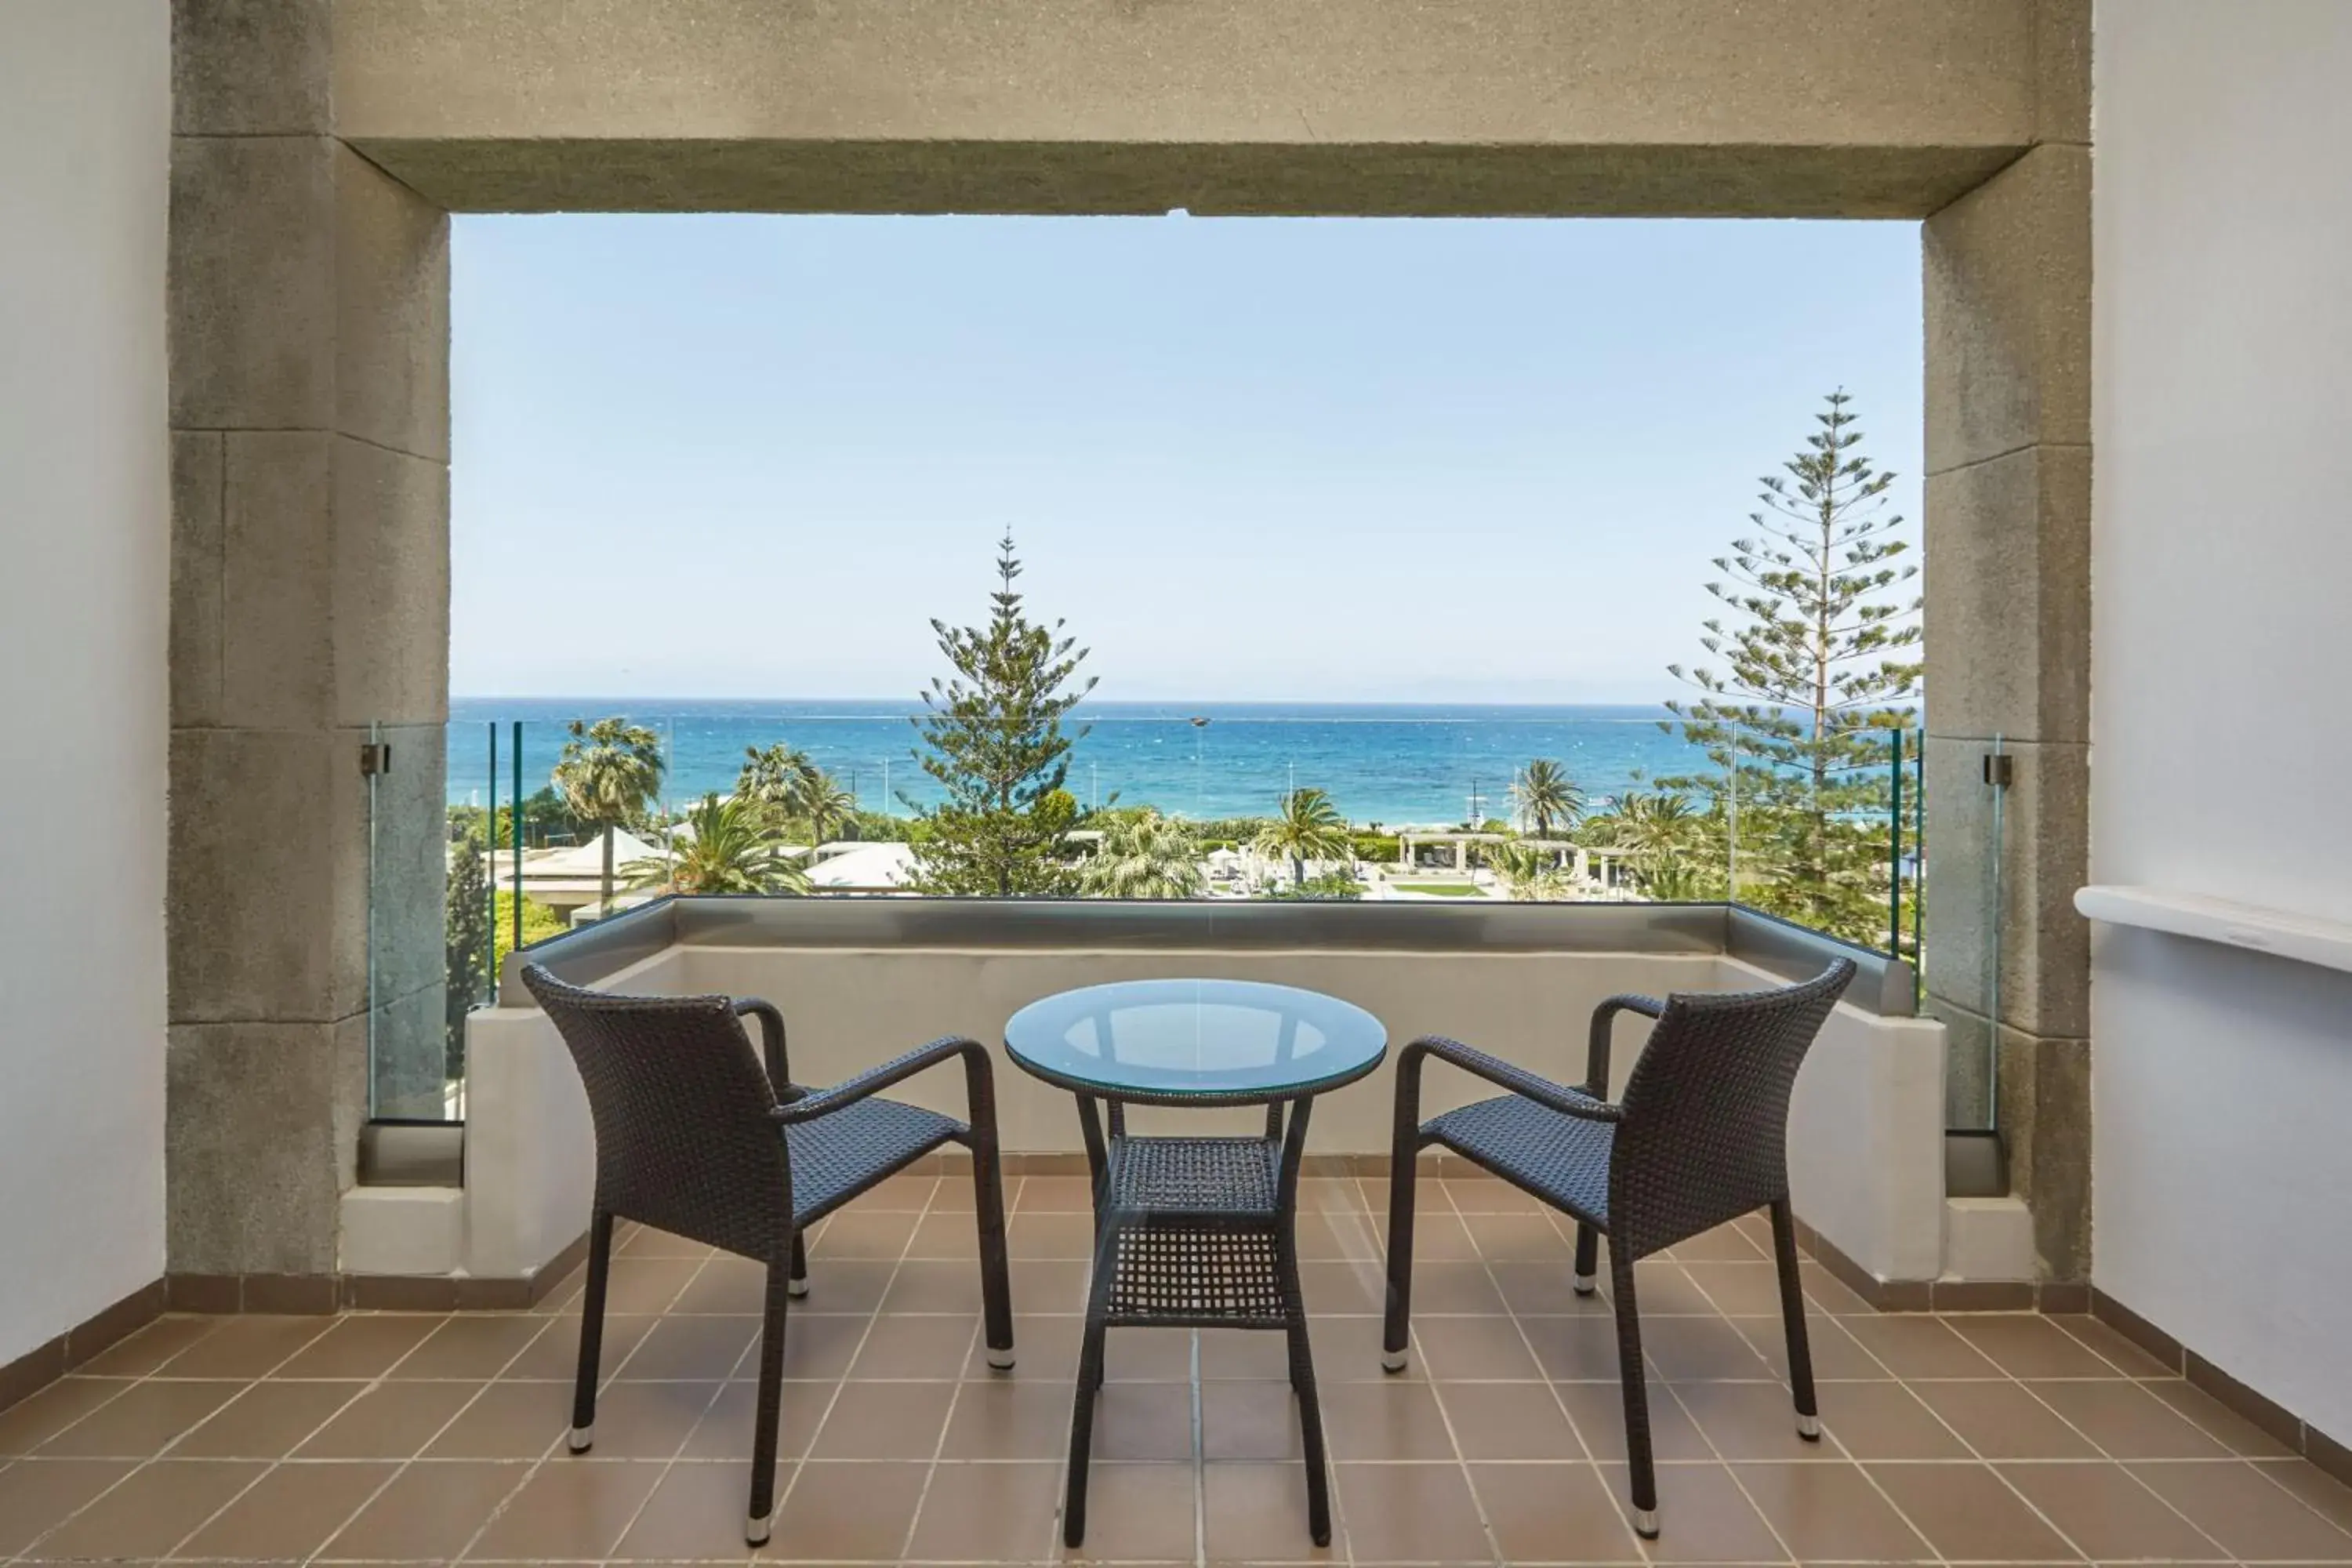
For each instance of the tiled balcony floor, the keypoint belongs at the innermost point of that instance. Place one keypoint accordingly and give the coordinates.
(389, 1437)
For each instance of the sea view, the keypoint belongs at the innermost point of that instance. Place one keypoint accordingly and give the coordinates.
(1381, 763)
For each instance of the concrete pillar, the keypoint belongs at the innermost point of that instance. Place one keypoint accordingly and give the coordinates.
(2008, 555)
(309, 596)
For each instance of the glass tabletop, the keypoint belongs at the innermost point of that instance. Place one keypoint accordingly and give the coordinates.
(1227, 1041)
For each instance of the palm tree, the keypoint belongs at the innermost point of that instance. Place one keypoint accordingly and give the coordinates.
(1544, 796)
(1309, 828)
(774, 777)
(732, 849)
(1525, 872)
(1659, 829)
(609, 772)
(1143, 854)
(820, 798)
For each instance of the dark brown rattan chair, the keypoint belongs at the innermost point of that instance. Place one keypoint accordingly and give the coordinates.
(692, 1137)
(1700, 1138)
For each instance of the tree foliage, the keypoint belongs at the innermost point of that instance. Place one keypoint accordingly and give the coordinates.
(731, 846)
(1307, 827)
(1143, 854)
(993, 738)
(1546, 799)
(1816, 662)
(609, 774)
(467, 941)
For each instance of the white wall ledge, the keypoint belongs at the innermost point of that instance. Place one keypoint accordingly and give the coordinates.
(2251, 927)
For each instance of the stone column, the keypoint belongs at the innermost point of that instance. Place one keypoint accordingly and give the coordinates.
(309, 311)
(2008, 557)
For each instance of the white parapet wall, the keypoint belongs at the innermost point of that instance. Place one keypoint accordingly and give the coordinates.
(1866, 1136)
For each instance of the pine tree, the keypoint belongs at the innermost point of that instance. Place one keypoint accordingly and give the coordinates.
(467, 941)
(997, 747)
(1814, 673)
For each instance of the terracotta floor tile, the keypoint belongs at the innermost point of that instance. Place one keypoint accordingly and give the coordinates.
(872, 1235)
(1150, 1355)
(2128, 1422)
(362, 1345)
(884, 1421)
(724, 1430)
(1828, 1292)
(1703, 1516)
(1546, 1290)
(916, 1347)
(143, 1422)
(1685, 1350)
(949, 1236)
(2251, 1517)
(1663, 1288)
(1257, 1513)
(1487, 1195)
(1748, 1420)
(1143, 1421)
(2316, 1488)
(1043, 1350)
(2110, 1515)
(1396, 1420)
(933, 1287)
(389, 1421)
(267, 1421)
(2026, 1345)
(1598, 1411)
(1724, 1243)
(246, 1347)
(2228, 1427)
(36, 1495)
(643, 1241)
(734, 1287)
(847, 1513)
(1347, 1349)
(696, 1512)
(1409, 1513)
(907, 1193)
(1069, 1237)
(2003, 1421)
(1735, 1289)
(648, 1284)
(1969, 1514)
(509, 1421)
(1245, 1421)
(474, 1345)
(1479, 1349)
(429, 1511)
(151, 1347)
(1575, 1349)
(1518, 1237)
(688, 1349)
(1056, 1194)
(570, 1509)
(1142, 1512)
(1437, 1236)
(1347, 1234)
(1359, 1288)
(1438, 1289)
(1509, 1421)
(1884, 1421)
(1837, 1357)
(643, 1420)
(1010, 1421)
(42, 1414)
(289, 1513)
(1553, 1513)
(999, 1512)
(1049, 1287)
(1916, 1345)
(554, 1355)
(1830, 1513)
(2128, 1357)
(844, 1286)
(152, 1510)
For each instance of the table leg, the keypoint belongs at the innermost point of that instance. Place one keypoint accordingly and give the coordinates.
(1294, 1307)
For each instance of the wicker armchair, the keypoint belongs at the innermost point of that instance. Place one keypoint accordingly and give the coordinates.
(693, 1137)
(1699, 1138)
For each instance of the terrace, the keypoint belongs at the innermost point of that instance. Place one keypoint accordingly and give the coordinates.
(249, 1311)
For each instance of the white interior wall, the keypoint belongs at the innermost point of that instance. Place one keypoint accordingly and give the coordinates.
(85, 113)
(2222, 724)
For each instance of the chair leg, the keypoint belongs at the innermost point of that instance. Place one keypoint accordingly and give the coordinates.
(995, 1276)
(1635, 1380)
(1792, 1319)
(1396, 1334)
(1588, 1259)
(761, 1515)
(1089, 1381)
(797, 1286)
(592, 1333)
(1310, 1421)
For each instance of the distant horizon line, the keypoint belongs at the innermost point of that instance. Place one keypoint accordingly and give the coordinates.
(1161, 702)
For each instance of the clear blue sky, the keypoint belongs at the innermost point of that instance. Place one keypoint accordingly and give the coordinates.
(1404, 461)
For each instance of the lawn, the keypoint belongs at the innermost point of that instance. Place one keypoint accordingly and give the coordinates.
(1441, 889)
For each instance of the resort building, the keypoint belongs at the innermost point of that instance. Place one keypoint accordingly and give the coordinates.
(2070, 1199)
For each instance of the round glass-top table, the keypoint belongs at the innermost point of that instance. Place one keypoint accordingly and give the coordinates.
(1195, 1042)
(1195, 1232)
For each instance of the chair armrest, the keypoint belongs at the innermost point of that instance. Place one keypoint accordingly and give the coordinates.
(1494, 1070)
(1596, 1052)
(979, 1080)
(771, 1045)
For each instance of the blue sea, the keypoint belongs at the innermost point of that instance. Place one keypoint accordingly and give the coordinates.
(1392, 763)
